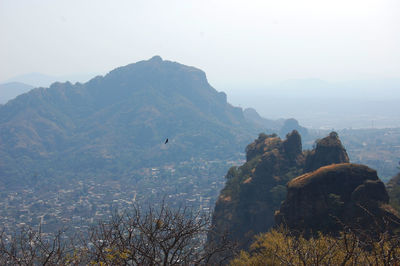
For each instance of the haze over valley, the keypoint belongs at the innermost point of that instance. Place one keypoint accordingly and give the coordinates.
(173, 133)
(319, 104)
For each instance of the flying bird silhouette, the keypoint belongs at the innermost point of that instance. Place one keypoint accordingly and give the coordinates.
(166, 141)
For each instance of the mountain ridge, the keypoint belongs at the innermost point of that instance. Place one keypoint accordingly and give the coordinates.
(119, 119)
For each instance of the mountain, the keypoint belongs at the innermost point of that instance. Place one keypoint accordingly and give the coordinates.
(328, 150)
(11, 90)
(292, 124)
(35, 79)
(44, 80)
(114, 124)
(334, 196)
(269, 124)
(255, 190)
(326, 105)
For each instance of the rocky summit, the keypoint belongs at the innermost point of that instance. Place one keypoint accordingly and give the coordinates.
(334, 196)
(328, 150)
(255, 190)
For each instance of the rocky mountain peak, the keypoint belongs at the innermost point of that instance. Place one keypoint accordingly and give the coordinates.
(156, 58)
(292, 144)
(333, 196)
(328, 150)
(119, 120)
(255, 190)
(262, 144)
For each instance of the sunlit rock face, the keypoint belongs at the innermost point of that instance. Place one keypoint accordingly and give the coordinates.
(255, 190)
(335, 196)
(328, 150)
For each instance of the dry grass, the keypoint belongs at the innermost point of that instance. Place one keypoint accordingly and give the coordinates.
(306, 178)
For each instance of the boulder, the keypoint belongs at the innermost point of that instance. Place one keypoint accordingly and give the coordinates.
(328, 150)
(335, 196)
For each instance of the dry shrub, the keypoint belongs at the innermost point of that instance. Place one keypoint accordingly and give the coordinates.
(280, 247)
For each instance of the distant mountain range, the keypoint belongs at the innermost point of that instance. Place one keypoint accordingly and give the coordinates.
(113, 124)
(325, 105)
(11, 90)
(314, 102)
(44, 80)
(18, 85)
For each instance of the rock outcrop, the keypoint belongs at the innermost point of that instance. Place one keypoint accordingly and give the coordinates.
(335, 196)
(255, 190)
(328, 150)
(393, 188)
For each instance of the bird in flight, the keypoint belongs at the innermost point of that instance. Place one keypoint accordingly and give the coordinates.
(166, 141)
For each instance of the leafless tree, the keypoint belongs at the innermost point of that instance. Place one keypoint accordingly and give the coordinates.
(154, 236)
(161, 236)
(30, 247)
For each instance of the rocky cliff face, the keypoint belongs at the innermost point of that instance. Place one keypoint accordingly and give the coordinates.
(393, 188)
(255, 190)
(328, 150)
(337, 195)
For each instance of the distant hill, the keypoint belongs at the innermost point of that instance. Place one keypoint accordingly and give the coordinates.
(273, 125)
(111, 125)
(11, 90)
(44, 80)
(35, 79)
(326, 105)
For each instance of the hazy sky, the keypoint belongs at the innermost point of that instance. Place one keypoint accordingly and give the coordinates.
(234, 42)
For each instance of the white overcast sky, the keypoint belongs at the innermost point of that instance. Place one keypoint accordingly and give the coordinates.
(243, 42)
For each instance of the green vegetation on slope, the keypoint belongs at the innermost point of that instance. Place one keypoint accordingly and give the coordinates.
(114, 124)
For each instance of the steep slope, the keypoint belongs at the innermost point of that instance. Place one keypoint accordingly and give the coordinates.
(269, 125)
(337, 195)
(254, 191)
(112, 124)
(393, 188)
(328, 150)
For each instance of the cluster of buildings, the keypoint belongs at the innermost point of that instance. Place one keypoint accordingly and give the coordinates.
(78, 204)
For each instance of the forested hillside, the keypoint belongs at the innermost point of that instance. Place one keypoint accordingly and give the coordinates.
(110, 125)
